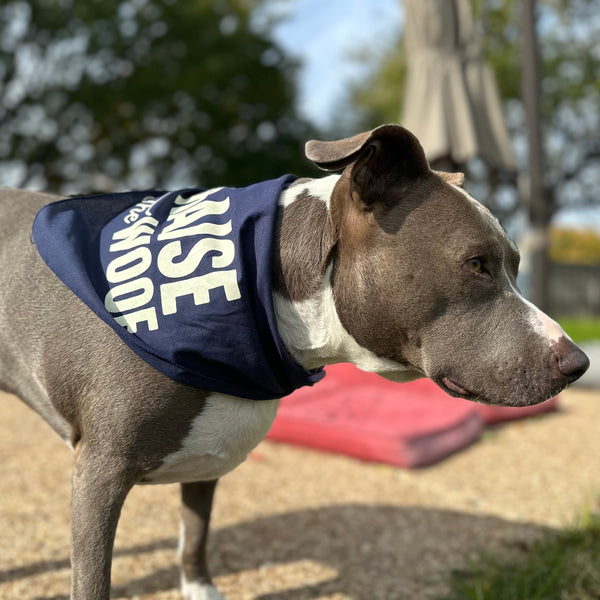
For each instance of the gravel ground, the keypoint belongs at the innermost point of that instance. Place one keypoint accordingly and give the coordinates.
(293, 524)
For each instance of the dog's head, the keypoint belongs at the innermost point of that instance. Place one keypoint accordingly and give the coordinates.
(425, 276)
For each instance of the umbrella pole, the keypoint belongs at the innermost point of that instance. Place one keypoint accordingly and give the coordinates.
(538, 203)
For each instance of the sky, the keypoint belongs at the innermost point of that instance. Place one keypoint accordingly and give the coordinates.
(324, 35)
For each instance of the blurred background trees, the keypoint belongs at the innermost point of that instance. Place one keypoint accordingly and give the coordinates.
(110, 94)
(569, 36)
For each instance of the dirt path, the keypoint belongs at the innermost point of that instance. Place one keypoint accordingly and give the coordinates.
(292, 524)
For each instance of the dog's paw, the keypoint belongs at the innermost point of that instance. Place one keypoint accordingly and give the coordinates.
(199, 591)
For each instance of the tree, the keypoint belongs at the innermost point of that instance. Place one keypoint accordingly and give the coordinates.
(574, 246)
(569, 35)
(568, 177)
(106, 94)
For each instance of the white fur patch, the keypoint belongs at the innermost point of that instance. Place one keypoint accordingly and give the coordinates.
(541, 323)
(311, 329)
(313, 333)
(219, 440)
(318, 188)
(193, 590)
(544, 325)
(199, 591)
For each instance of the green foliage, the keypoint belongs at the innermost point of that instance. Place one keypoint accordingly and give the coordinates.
(112, 93)
(581, 329)
(378, 99)
(500, 23)
(564, 566)
(575, 246)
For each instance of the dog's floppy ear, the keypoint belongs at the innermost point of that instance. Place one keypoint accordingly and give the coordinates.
(379, 158)
(337, 154)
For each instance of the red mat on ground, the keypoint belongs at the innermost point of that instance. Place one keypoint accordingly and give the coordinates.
(363, 415)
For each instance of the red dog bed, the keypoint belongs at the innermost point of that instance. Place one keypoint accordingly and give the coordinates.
(363, 415)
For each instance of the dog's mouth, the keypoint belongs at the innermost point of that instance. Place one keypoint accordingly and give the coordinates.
(456, 389)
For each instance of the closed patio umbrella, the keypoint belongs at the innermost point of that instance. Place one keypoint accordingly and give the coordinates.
(451, 99)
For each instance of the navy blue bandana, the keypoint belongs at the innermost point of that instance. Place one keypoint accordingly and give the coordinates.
(184, 278)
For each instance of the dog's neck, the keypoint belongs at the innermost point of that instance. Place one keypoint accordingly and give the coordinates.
(305, 308)
(311, 329)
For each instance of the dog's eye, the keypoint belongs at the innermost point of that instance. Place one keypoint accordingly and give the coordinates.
(475, 265)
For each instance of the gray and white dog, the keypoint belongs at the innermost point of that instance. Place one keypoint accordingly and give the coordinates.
(390, 266)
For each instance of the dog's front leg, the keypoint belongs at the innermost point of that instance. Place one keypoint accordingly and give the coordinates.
(196, 505)
(100, 485)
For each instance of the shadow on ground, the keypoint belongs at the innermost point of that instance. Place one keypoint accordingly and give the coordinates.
(370, 552)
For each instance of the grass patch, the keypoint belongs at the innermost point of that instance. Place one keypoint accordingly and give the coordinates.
(564, 566)
(581, 329)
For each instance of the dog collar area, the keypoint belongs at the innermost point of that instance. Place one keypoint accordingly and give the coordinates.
(184, 278)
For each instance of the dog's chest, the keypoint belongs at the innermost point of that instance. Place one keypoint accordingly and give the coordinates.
(219, 439)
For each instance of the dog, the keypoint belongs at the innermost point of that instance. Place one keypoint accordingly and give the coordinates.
(389, 265)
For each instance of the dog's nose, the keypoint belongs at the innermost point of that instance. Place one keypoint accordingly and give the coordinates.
(572, 361)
